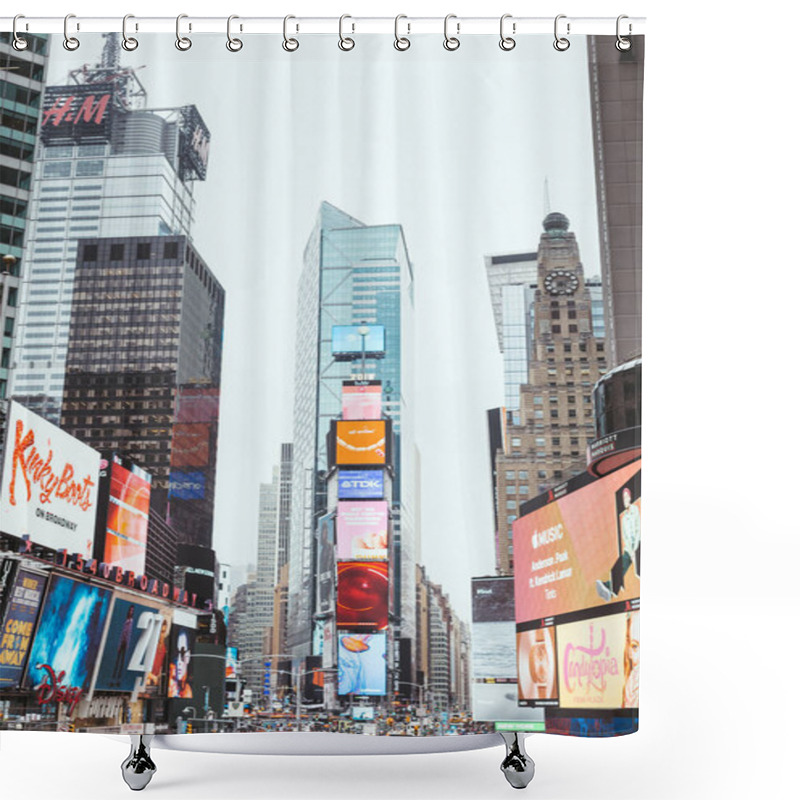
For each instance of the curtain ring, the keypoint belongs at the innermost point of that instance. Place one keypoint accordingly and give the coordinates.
(128, 42)
(289, 45)
(233, 44)
(561, 43)
(19, 42)
(182, 42)
(451, 42)
(507, 42)
(623, 44)
(401, 42)
(70, 42)
(346, 42)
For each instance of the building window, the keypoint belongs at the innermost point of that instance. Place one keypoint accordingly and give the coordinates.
(523, 474)
(85, 169)
(516, 441)
(90, 252)
(541, 474)
(170, 249)
(510, 476)
(117, 252)
(143, 251)
(57, 169)
(511, 503)
(511, 489)
(557, 328)
(573, 328)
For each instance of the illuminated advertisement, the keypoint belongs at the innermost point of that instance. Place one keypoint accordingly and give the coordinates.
(67, 641)
(326, 563)
(49, 486)
(193, 145)
(132, 644)
(493, 655)
(362, 600)
(190, 444)
(360, 484)
(362, 663)
(197, 404)
(181, 671)
(536, 664)
(362, 530)
(77, 111)
(598, 662)
(347, 341)
(362, 400)
(20, 597)
(231, 663)
(362, 442)
(125, 542)
(187, 485)
(580, 550)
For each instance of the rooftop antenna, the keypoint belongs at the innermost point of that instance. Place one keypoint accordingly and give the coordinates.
(111, 47)
(546, 197)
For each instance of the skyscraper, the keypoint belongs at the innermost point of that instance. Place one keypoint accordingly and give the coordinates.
(548, 444)
(21, 86)
(353, 273)
(105, 167)
(143, 368)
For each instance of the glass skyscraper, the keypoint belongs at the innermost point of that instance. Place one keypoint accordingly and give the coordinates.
(353, 273)
(105, 167)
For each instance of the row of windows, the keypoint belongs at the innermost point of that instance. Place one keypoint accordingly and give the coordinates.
(63, 169)
(23, 151)
(20, 94)
(144, 251)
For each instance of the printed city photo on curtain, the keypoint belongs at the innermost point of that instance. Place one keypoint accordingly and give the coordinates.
(321, 386)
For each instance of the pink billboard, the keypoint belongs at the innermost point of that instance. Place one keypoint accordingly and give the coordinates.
(362, 530)
(362, 402)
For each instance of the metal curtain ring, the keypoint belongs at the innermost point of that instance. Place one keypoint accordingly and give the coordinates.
(128, 42)
(70, 42)
(507, 42)
(289, 44)
(451, 42)
(401, 42)
(561, 43)
(182, 42)
(233, 44)
(623, 44)
(19, 42)
(345, 42)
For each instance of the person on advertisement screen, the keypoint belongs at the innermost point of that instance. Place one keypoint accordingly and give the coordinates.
(630, 693)
(122, 648)
(179, 669)
(154, 676)
(631, 526)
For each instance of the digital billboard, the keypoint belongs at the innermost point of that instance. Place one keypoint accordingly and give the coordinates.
(362, 601)
(190, 445)
(21, 594)
(193, 145)
(347, 341)
(580, 550)
(362, 663)
(231, 663)
(326, 563)
(360, 484)
(187, 485)
(361, 443)
(125, 534)
(362, 400)
(131, 646)
(536, 664)
(181, 669)
(49, 485)
(362, 530)
(67, 640)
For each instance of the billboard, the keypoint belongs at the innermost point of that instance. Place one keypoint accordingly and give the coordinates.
(181, 669)
(362, 601)
(125, 532)
(362, 400)
(132, 643)
(49, 485)
(67, 641)
(187, 485)
(190, 444)
(326, 563)
(362, 663)
(580, 550)
(536, 664)
(362, 530)
(360, 484)
(231, 663)
(361, 443)
(348, 343)
(77, 112)
(21, 594)
(193, 145)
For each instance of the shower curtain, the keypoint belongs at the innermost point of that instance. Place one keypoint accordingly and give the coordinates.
(321, 383)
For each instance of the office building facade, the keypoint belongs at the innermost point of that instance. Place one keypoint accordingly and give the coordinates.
(353, 273)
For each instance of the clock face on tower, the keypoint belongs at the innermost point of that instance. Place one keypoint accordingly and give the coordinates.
(561, 282)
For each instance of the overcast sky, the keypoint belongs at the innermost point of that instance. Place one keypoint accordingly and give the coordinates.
(456, 148)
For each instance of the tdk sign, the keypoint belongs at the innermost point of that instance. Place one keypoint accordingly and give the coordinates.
(361, 484)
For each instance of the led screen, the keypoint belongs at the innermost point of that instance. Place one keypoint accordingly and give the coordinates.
(362, 530)
(361, 484)
(362, 401)
(362, 663)
(361, 442)
(128, 514)
(348, 339)
(363, 595)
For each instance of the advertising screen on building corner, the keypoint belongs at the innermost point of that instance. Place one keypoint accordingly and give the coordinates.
(49, 488)
(128, 514)
(361, 442)
(577, 567)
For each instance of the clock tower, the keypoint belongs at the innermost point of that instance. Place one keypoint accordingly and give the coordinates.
(556, 421)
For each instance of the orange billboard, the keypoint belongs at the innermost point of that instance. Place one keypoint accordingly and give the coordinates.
(361, 442)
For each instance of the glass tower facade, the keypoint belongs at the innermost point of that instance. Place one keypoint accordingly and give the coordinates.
(353, 273)
(118, 172)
